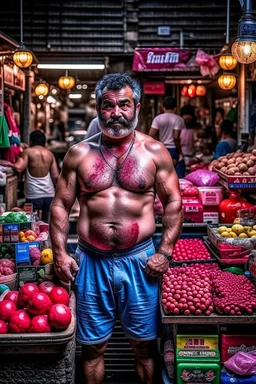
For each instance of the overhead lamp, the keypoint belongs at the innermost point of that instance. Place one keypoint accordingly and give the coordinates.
(244, 47)
(41, 89)
(71, 66)
(192, 91)
(184, 91)
(66, 82)
(200, 90)
(227, 81)
(75, 95)
(22, 56)
(227, 60)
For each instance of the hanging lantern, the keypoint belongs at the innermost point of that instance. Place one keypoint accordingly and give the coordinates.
(184, 91)
(244, 51)
(227, 81)
(192, 91)
(66, 82)
(41, 89)
(227, 62)
(22, 57)
(200, 90)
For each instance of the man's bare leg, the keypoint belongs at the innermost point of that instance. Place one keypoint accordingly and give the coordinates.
(93, 363)
(146, 361)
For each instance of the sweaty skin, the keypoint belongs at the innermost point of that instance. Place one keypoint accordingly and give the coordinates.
(116, 188)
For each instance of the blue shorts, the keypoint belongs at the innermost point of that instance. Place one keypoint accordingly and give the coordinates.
(114, 282)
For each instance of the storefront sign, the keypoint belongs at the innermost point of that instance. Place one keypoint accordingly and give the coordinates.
(154, 88)
(160, 59)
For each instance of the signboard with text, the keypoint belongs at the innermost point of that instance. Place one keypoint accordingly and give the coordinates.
(160, 59)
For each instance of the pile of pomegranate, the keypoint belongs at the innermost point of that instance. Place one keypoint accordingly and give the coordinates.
(35, 309)
(190, 249)
(201, 289)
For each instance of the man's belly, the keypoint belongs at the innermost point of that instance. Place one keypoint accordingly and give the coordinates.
(123, 234)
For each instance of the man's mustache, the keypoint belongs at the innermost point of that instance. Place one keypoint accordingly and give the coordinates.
(121, 120)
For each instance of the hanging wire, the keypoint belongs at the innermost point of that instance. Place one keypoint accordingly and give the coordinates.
(21, 22)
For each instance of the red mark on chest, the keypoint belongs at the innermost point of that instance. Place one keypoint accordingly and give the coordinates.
(97, 174)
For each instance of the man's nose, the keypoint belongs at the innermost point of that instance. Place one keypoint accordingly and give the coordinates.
(116, 111)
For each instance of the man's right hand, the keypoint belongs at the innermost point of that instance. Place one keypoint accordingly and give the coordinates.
(65, 268)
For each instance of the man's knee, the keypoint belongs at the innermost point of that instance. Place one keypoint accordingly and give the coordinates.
(144, 349)
(92, 352)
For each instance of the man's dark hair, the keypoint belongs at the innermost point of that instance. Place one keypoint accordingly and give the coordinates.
(220, 110)
(169, 102)
(37, 138)
(187, 109)
(227, 127)
(116, 81)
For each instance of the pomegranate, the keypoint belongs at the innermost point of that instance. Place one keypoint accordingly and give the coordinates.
(13, 296)
(19, 322)
(46, 287)
(24, 294)
(7, 308)
(39, 304)
(40, 324)
(60, 316)
(59, 295)
(3, 327)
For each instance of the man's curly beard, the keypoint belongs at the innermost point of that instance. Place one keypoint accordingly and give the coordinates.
(126, 126)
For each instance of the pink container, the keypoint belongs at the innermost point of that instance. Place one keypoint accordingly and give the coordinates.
(211, 195)
(44, 227)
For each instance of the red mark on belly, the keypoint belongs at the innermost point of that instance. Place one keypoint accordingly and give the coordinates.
(132, 235)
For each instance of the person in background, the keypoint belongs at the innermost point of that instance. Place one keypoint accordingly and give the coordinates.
(219, 117)
(115, 175)
(166, 128)
(227, 144)
(188, 134)
(93, 128)
(41, 173)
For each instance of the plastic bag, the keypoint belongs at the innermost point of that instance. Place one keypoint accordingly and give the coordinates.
(242, 363)
(184, 184)
(203, 178)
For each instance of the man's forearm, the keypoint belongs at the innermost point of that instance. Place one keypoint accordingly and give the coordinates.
(172, 226)
(59, 229)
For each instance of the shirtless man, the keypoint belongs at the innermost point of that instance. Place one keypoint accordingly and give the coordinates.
(41, 173)
(115, 175)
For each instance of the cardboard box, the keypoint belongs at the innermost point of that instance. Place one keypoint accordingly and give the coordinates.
(10, 233)
(211, 195)
(193, 210)
(211, 214)
(34, 274)
(198, 372)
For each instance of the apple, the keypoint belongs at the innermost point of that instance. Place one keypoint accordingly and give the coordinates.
(24, 294)
(19, 322)
(46, 287)
(3, 327)
(40, 324)
(13, 296)
(7, 308)
(39, 304)
(59, 295)
(60, 316)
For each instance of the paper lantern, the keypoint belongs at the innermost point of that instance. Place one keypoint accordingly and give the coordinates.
(184, 91)
(66, 82)
(244, 51)
(192, 91)
(200, 90)
(22, 57)
(41, 89)
(227, 62)
(227, 81)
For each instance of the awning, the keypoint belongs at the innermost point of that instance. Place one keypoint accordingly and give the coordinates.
(163, 59)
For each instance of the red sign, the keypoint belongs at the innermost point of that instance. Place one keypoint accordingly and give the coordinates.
(154, 88)
(160, 59)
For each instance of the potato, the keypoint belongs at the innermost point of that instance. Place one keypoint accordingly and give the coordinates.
(250, 163)
(251, 171)
(239, 159)
(246, 174)
(242, 167)
(231, 161)
(238, 173)
(253, 158)
(224, 169)
(254, 152)
(230, 172)
(219, 165)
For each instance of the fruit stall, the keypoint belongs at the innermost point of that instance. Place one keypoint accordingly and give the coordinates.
(37, 313)
(208, 295)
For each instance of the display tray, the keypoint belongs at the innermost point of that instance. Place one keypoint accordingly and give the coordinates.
(212, 319)
(212, 249)
(50, 342)
(237, 182)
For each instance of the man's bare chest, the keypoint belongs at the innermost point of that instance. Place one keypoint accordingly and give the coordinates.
(133, 173)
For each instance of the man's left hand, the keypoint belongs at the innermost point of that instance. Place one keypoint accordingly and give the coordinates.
(157, 265)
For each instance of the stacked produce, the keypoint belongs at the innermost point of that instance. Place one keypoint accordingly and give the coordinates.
(238, 230)
(233, 294)
(190, 250)
(35, 309)
(187, 290)
(201, 289)
(237, 163)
